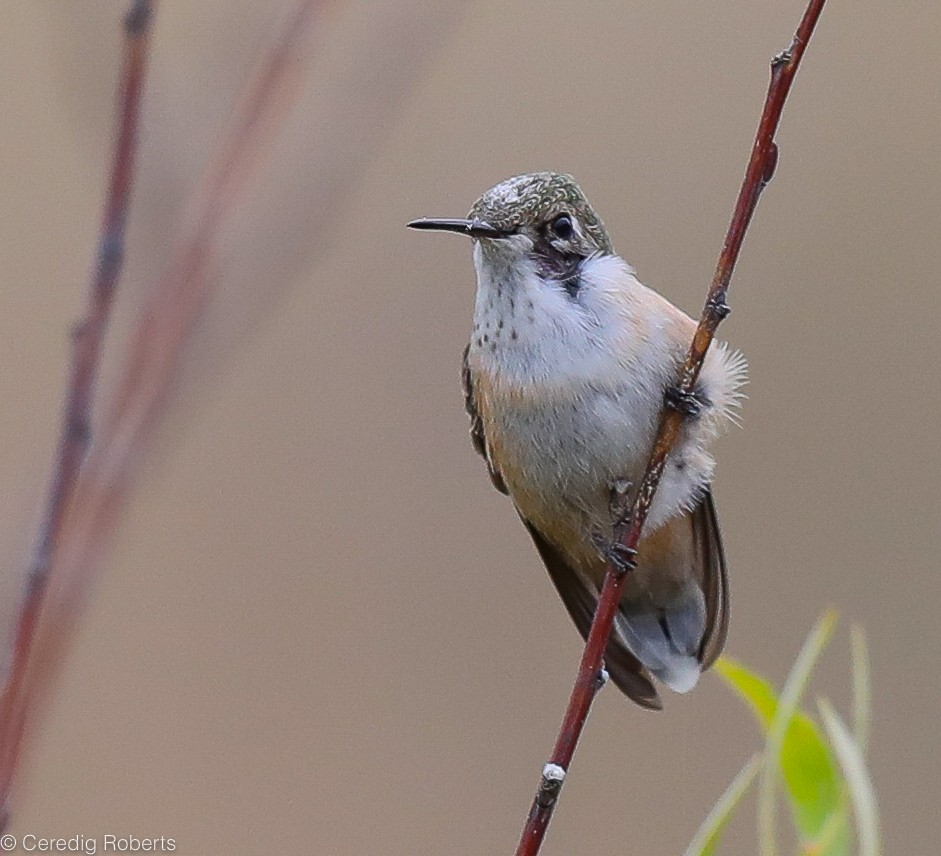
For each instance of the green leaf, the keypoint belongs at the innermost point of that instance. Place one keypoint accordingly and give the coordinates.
(796, 745)
(857, 778)
(803, 760)
(707, 838)
(753, 689)
(834, 838)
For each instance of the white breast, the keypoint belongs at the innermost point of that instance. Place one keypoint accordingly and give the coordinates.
(574, 387)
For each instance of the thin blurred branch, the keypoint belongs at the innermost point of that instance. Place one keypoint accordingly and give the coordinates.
(350, 117)
(760, 169)
(87, 343)
(86, 500)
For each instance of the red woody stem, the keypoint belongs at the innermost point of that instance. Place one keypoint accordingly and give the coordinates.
(760, 169)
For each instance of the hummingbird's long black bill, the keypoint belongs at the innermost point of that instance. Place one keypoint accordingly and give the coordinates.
(472, 228)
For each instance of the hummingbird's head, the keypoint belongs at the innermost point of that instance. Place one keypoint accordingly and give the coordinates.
(550, 288)
(541, 217)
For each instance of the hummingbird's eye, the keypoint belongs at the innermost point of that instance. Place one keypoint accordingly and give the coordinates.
(562, 227)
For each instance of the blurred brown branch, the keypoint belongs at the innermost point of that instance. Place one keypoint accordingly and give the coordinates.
(760, 169)
(86, 500)
(87, 343)
(89, 498)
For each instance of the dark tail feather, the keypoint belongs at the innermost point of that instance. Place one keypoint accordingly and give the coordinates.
(624, 668)
(715, 583)
(674, 613)
(672, 640)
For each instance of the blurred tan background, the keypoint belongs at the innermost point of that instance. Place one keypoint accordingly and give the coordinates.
(321, 630)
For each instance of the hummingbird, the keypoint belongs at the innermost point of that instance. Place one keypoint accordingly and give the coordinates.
(569, 365)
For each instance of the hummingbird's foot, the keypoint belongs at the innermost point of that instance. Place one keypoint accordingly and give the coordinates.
(622, 557)
(690, 404)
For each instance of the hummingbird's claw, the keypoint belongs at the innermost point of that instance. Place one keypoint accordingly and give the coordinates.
(717, 304)
(620, 555)
(690, 404)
